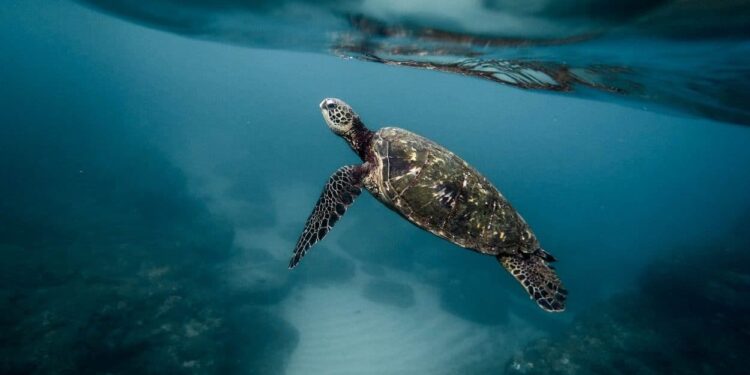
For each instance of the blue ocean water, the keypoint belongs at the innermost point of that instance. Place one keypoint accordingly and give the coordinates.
(156, 177)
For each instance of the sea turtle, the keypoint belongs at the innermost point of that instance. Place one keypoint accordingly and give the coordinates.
(437, 191)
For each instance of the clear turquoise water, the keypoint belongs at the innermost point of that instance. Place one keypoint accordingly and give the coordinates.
(154, 185)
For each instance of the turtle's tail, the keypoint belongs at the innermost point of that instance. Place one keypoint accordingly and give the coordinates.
(538, 278)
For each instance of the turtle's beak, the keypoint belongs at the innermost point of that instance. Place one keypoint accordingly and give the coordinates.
(323, 104)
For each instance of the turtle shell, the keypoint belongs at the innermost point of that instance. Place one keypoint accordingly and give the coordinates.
(439, 192)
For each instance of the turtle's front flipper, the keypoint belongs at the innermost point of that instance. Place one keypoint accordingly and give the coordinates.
(538, 278)
(343, 186)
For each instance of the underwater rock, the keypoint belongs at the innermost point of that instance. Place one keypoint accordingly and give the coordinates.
(389, 293)
(256, 341)
(161, 334)
(102, 273)
(690, 315)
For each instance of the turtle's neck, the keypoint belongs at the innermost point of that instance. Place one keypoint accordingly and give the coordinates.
(359, 138)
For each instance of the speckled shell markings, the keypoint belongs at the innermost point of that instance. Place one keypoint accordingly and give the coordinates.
(441, 193)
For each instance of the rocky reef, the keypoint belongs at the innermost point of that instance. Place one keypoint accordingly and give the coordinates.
(109, 265)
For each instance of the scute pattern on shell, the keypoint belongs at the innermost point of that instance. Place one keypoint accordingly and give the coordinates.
(439, 192)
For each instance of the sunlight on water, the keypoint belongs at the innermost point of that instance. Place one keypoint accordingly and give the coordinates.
(688, 56)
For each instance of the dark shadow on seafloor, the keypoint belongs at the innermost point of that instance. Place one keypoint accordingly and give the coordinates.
(109, 265)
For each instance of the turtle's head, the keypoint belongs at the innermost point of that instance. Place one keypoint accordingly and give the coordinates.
(339, 116)
(343, 121)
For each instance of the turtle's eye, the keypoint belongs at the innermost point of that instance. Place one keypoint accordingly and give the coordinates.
(331, 105)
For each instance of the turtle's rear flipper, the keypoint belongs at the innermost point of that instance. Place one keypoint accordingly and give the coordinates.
(538, 278)
(340, 191)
